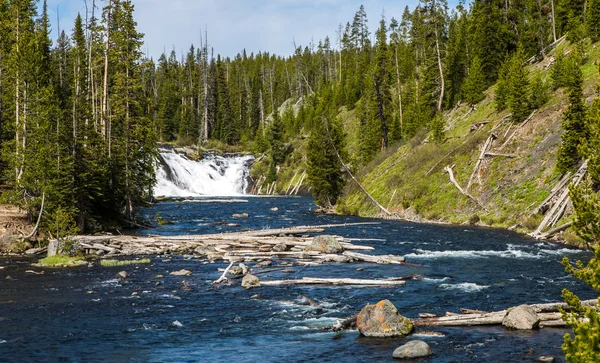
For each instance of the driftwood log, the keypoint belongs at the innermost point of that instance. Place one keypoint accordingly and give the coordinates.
(548, 314)
(250, 246)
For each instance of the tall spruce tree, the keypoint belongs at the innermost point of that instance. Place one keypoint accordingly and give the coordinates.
(325, 148)
(575, 126)
(474, 84)
(584, 319)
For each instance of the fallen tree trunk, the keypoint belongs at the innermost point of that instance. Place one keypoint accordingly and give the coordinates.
(382, 259)
(547, 313)
(556, 212)
(448, 170)
(486, 146)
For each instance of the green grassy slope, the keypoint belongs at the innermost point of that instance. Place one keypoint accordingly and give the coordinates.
(411, 180)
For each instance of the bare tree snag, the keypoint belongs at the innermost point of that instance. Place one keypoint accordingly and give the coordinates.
(103, 122)
(448, 169)
(439, 61)
(484, 150)
(224, 276)
(37, 225)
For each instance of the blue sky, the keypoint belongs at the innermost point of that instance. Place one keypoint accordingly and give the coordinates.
(257, 25)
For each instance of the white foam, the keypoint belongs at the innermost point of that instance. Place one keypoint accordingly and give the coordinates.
(177, 324)
(178, 176)
(428, 279)
(511, 252)
(465, 286)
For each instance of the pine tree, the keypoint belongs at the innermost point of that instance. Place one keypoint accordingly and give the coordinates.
(592, 20)
(325, 148)
(276, 143)
(576, 130)
(585, 320)
(474, 83)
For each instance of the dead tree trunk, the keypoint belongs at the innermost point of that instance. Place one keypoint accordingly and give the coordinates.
(103, 122)
(554, 215)
(448, 169)
(484, 150)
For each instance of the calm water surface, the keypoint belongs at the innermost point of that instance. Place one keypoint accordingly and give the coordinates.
(86, 315)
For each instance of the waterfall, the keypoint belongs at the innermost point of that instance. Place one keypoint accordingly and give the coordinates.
(214, 175)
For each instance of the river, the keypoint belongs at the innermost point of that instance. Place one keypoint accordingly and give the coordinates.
(86, 314)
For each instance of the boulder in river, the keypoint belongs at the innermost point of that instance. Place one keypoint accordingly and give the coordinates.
(545, 358)
(523, 317)
(121, 275)
(413, 349)
(280, 247)
(249, 281)
(383, 320)
(240, 215)
(325, 244)
(181, 273)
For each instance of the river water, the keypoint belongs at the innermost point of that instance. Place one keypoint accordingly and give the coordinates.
(86, 314)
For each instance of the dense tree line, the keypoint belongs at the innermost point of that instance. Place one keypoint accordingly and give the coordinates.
(74, 119)
(80, 118)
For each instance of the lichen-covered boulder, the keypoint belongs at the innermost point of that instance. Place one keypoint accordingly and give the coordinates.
(413, 349)
(325, 244)
(383, 320)
(522, 317)
(249, 281)
(181, 273)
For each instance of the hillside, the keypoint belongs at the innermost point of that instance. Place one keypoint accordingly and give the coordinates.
(410, 179)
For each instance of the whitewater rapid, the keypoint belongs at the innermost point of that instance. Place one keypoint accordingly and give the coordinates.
(214, 175)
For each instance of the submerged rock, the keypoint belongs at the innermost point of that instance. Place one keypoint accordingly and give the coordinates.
(181, 273)
(523, 317)
(280, 247)
(325, 244)
(413, 349)
(545, 358)
(250, 281)
(383, 320)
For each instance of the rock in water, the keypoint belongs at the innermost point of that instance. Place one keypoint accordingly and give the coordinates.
(545, 358)
(181, 273)
(383, 320)
(250, 281)
(325, 244)
(240, 215)
(280, 247)
(522, 317)
(121, 275)
(413, 349)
